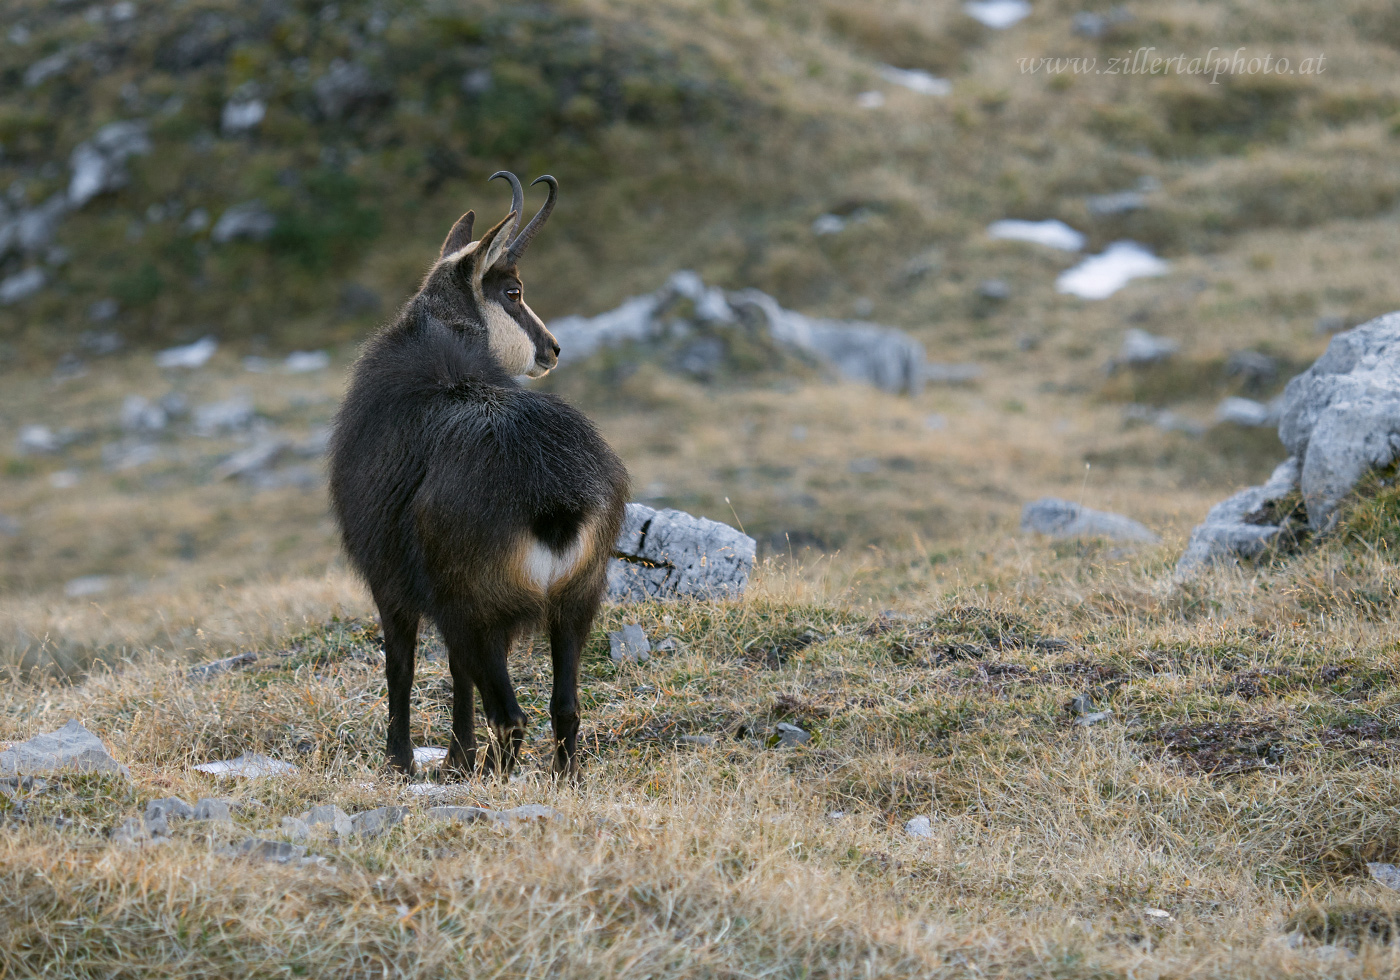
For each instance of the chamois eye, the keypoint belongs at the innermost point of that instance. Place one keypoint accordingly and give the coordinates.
(513, 294)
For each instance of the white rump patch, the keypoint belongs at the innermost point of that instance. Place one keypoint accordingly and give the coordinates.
(545, 567)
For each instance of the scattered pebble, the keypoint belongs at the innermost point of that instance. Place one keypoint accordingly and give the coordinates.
(204, 672)
(916, 80)
(629, 645)
(920, 827)
(787, 736)
(1386, 874)
(697, 741)
(194, 355)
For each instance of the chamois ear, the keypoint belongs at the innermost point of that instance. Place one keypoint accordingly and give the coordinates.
(460, 236)
(492, 246)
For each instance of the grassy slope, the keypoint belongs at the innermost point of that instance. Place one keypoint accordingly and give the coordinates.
(1250, 766)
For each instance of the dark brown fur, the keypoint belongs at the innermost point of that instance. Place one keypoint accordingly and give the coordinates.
(445, 470)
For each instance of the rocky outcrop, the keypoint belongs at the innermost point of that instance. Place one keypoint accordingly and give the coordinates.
(1339, 419)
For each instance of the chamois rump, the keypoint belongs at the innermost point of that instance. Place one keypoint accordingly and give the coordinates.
(468, 499)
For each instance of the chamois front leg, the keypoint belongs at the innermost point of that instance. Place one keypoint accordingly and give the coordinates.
(400, 643)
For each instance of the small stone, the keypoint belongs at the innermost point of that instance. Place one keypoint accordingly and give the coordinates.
(250, 220)
(212, 809)
(920, 827)
(425, 755)
(697, 741)
(242, 115)
(1064, 519)
(373, 823)
(171, 808)
(1119, 202)
(222, 417)
(87, 585)
(327, 815)
(994, 290)
(157, 825)
(37, 440)
(22, 285)
(1244, 411)
(629, 645)
(1092, 719)
(305, 362)
(205, 672)
(295, 828)
(790, 736)
(1141, 348)
(1386, 874)
(193, 355)
(139, 415)
(1081, 704)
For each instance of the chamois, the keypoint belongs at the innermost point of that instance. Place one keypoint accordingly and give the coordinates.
(464, 497)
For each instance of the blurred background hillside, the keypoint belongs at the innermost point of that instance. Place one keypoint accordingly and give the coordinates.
(277, 175)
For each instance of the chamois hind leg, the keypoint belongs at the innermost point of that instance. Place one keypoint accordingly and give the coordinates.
(400, 644)
(568, 632)
(480, 653)
(462, 756)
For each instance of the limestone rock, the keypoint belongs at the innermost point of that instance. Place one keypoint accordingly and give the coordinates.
(1064, 519)
(1233, 528)
(1341, 417)
(669, 554)
(376, 822)
(70, 748)
(787, 736)
(98, 164)
(193, 355)
(1141, 348)
(205, 672)
(329, 816)
(212, 809)
(250, 219)
(920, 827)
(629, 645)
(170, 808)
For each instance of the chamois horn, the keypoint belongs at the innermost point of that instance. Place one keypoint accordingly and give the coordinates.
(517, 197)
(522, 240)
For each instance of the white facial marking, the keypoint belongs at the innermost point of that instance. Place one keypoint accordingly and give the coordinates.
(509, 342)
(544, 566)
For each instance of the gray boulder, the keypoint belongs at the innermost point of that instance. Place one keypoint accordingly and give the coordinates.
(1234, 528)
(72, 748)
(1141, 348)
(169, 808)
(669, 554)
(98, 165)
(1064, 519)
(1341, 417)
(250, 219)
(22, 285)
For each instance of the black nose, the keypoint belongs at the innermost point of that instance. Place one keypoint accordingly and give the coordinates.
(555, 346)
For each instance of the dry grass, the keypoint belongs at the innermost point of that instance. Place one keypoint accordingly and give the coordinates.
(1246, 774)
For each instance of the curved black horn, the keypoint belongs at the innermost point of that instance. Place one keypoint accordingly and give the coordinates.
(522, 240)
(517, 197)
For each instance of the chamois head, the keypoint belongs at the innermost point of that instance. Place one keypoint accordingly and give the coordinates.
(476, 285)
